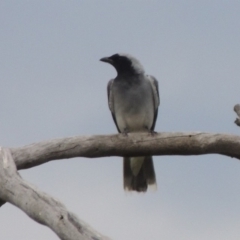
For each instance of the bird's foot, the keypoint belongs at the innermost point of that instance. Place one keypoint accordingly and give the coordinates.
(125, 133)
(153, 133)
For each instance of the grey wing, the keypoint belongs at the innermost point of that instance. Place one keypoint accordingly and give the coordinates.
(156, 98)
(110, 101)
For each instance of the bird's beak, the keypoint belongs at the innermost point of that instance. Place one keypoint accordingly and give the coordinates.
(107, 60)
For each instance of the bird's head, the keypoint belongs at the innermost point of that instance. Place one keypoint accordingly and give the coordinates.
(124, 64)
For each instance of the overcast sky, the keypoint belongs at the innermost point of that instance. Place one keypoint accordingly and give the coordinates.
(53, 85)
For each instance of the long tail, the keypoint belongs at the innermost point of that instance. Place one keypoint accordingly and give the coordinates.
(138, 173)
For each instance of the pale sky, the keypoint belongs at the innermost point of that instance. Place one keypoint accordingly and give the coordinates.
(53, 85)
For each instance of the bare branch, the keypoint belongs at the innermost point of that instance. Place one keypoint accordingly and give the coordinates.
(38, 205)
(135, 144)
(48, 211)
(237, 110)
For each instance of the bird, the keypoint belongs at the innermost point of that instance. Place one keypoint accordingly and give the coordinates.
(133, 99)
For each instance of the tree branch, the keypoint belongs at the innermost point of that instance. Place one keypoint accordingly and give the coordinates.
(38, 205)
(237, 110)
(135, 144)
(45, 210)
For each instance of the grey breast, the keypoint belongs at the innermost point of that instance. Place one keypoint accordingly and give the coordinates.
(133, 104)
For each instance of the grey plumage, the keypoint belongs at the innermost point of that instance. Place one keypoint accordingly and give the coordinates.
(133, 99)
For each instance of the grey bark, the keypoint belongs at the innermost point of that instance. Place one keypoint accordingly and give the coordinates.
(134, 144)
(38, 205)
(45, 210)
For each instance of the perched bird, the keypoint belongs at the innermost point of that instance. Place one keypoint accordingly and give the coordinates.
(133, 100)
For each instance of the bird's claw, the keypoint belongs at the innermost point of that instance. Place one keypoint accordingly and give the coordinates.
(153, 133)
(125, 133)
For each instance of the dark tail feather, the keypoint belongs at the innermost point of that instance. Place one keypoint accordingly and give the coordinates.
(145, 177)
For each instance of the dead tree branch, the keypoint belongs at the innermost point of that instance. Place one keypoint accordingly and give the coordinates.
(38, 205)
(192, 143)
(237, 110)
